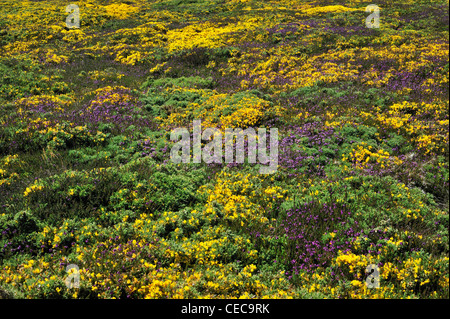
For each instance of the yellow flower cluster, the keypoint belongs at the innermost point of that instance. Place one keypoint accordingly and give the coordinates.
(56, 134)
(429, 134)
(364, 154)
(36, 186)
(412, 276)
(52, 57)
(248, 113)
(7, 175)
(28, 275)
(127, 57)
(220, 110)
(267, 66)
(76, 36)
(120, 10)
(113, 97)
(373, 78)
(240, 200)
(355, 263)
(60, 102)
(215, 35)
(413, 55)
(104, 75)
(413, 214)
(313, 10)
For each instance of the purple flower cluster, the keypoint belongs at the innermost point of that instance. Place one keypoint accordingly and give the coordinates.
(102, 109)
(283, 29)
(306, 228)
(360, 30)
(45, 105)
(13, 243)
(149, 148)
(305, 146)
(117, 107)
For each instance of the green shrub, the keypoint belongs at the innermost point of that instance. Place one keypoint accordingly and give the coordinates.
(21, 77)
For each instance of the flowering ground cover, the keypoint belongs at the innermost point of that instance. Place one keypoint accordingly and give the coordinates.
(86, 176)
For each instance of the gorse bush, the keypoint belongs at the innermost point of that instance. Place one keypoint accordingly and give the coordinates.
(76, 194)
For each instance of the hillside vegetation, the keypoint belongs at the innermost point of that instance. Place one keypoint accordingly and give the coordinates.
(363, 168)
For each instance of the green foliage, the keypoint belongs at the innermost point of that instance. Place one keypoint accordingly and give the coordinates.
(18, 231)
(358, 133)
(75, 194)
(164, 95)
(20, 77)
(158, 85)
